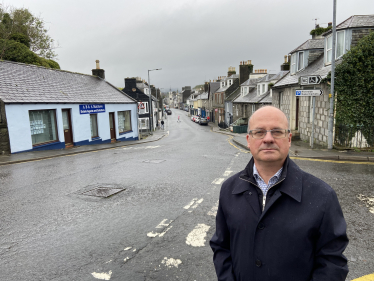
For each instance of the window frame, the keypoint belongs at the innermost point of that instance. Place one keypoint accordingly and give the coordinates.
(56, 128)
(293, 63)
(336, 47)
(124, 132)
(298, 61)
(97, 126)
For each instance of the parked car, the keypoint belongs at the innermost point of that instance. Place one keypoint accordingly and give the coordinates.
(193, 118)
(168, 111)
(197, 119)
(203, 120)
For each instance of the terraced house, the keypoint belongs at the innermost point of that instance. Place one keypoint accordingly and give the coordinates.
(313, 58)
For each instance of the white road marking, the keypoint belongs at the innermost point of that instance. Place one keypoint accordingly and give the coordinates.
(166, 230)
(163, 223)
(127, 148)
(134, 250)
(218, 181)
(152, 234)
(369, 202)
(190, 204)
(151, 147)
(197, 203)
(126, 259)
(171, 262)
(102, 276)
(213, 211)
(127, 248)
(196, 238)
(109, 261)
(227, 173)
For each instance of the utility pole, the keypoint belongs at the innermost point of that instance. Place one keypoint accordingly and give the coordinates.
(332, 99)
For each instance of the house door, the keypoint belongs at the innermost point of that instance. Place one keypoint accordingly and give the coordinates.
(68, 133)
(112, 126)
(297, 114)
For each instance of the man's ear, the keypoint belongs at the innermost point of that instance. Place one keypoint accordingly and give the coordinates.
(248, 141)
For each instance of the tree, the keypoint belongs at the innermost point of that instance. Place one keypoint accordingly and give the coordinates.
(354, 84)
(22, 26)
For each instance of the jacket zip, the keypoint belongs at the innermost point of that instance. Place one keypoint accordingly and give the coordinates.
(264, 195)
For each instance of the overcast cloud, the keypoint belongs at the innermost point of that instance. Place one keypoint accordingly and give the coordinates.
(192, 41)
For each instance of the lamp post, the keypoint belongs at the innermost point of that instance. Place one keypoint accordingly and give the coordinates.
(150, 101)
(162, 108)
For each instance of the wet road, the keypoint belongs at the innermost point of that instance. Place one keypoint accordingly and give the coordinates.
(159, 226)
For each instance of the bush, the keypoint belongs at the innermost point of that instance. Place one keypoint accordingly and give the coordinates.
(320, 30)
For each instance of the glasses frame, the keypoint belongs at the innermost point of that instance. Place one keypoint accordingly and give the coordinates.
(271, 132)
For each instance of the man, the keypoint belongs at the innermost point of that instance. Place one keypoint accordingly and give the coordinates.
(162, 124)
(275, 221)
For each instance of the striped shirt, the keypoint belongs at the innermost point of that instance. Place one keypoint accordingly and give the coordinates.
(261, 183)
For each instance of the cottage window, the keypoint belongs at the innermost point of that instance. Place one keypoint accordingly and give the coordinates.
(300, 64)
(258, 89)
(339, 44)
(124, 121)
(329, 49)
(230, 82)
(263, 88)
(43, 126)
(93, 124)
(293, 63)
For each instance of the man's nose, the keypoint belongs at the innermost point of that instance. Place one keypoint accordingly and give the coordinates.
(268, 137)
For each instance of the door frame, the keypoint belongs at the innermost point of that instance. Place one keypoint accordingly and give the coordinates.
(114, 125)
(68, 110)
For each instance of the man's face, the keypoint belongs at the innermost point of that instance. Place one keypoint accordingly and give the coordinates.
(269, 149)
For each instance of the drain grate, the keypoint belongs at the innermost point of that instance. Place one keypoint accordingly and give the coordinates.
(103, 191)
(154, 161)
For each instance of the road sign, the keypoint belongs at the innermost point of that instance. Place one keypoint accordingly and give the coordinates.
(309, 93)
(141, 105)
(310, 80)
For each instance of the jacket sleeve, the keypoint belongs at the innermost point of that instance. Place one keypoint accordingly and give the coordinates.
(220, 244)
(330, 263)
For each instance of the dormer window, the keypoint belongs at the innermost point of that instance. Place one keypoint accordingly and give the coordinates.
(223, 84)
(293, 63)
(340, 46)
(300, 64)
(230, 82)
(258, 89)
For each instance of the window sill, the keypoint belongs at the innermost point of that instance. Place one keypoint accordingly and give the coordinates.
(45, 144)
(123, 133)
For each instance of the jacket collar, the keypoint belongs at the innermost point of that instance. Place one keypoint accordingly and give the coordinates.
(291, 178)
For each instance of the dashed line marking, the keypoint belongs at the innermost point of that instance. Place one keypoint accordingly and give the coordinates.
(196, 238)
(164, 223)
(197, 203)
(166, 230)
(127, 248)
(103, 275)
(126, 259)
(227, 173)
(218, 181)
(190, 204)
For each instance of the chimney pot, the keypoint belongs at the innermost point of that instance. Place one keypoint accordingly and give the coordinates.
(329, 24)
(97, 64)
(285, 59)
(249, 62)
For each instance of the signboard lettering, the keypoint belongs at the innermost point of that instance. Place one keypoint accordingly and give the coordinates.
(91, 108)
(309, 93)
(310, 80)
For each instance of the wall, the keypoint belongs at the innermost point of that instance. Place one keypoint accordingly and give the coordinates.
(4, 137)
(19, 124)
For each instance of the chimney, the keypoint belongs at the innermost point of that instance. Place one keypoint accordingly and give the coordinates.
(329, 24)
(245, 70)
(98, 72)
(231, 71)
(206, 87)
(130, 84)
(286, 65)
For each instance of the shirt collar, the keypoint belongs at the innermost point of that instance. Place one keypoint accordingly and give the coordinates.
(257, 176)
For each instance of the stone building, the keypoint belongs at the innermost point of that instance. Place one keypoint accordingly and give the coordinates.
(313, 58)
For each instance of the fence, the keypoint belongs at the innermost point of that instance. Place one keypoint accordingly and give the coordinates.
(351, 136)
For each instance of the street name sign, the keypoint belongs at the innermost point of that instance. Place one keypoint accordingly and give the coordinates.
(309, 93)
(310, 80)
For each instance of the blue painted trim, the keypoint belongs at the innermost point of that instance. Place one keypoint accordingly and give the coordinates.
(94, 141)
(128, 139)
(124, 133)
(49, 146)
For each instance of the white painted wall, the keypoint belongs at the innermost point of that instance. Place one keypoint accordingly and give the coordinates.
(19, 123)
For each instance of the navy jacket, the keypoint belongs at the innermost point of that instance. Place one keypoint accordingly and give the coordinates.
(299, 236)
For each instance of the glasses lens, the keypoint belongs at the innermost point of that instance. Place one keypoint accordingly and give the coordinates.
(258, 134)
(278, 133)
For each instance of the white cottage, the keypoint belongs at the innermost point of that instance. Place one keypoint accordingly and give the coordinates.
(54, 109)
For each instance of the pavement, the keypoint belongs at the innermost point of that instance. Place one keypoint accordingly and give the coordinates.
(302, 149)
(298, 149)
(45, 154)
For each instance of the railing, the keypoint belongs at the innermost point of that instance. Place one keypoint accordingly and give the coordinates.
(351, 136)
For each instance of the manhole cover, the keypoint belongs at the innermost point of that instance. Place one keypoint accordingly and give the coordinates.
(102, 191)
(154, 161)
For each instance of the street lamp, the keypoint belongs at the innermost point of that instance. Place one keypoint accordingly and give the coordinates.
(150, 101)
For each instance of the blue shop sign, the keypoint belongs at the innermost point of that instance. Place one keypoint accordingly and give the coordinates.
(91, 108)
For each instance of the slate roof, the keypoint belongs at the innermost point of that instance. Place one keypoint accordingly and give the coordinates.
(203, 96)
(261, 98)
(266, 78)
(223, 89)
(310, 44)
(315, 68)
(251, 82)
(233, 95)
(354, 21)
(247, 98)
(23, 83)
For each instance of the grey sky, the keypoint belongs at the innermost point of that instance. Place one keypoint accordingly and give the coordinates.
(192, 41)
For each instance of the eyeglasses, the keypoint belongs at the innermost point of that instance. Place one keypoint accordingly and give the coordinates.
(276, 133)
